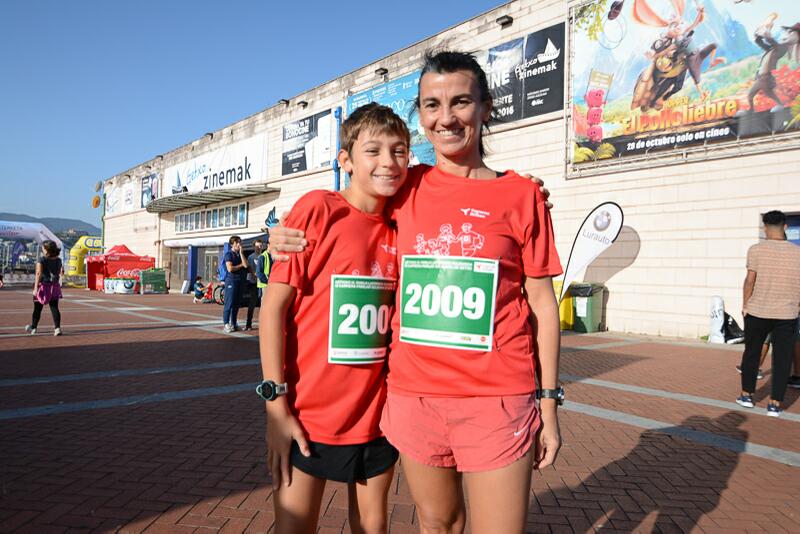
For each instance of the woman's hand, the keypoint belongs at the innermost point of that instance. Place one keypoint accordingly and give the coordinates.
(548, 441)
(281, 430)
(282, 239)
(542, 188)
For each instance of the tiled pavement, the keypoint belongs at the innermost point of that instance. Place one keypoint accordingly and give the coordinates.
(141, 418)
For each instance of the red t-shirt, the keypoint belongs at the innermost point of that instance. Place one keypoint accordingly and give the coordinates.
(504, 219)
(336, 404)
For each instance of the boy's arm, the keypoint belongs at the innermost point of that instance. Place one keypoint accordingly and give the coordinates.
(259, 269)
(547, 339)
(282, 426)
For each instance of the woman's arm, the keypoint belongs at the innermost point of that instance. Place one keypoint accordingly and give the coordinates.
(544, 308)
(282, 426)
(37, 277)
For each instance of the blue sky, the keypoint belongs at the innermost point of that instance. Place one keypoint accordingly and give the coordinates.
(92, 88)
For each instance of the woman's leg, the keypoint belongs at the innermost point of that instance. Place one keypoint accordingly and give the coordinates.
(37, 313)
(297, 506)
(438, 497)
(498, 499)
(56, 313)
(367, 508)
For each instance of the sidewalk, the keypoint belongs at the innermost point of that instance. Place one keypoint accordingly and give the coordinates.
(142, 417)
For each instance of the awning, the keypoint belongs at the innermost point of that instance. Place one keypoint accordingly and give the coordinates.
(182, 201)
(213, 240)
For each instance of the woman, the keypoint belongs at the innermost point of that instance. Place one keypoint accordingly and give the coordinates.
(46, 287)
(454, 410)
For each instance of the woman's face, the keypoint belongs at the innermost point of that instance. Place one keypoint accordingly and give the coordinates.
(452, 113)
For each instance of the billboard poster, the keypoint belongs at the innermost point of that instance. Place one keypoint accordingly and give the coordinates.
(660, 74)
(234, 165)
(526, 75)
(400, 95)
(149, 189)
(307, 143)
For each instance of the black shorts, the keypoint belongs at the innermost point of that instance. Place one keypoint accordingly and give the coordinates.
(345, 463)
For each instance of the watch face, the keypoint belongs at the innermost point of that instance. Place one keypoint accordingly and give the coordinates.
(266, 390)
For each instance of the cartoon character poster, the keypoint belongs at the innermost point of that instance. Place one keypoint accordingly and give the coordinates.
(659, 74)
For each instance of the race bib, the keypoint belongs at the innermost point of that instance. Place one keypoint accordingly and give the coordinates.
(448, 301)
(361, 310)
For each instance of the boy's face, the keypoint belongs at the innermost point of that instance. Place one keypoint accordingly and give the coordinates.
(236, 246)
(377, 164)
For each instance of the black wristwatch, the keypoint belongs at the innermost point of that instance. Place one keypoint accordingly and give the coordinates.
(557, 394)
(269, 390)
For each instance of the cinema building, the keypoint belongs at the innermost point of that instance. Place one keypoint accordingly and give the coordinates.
(593, 98)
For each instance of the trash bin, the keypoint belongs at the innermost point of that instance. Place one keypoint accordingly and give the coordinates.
(588, 305)
(153, 281)
(566, 311)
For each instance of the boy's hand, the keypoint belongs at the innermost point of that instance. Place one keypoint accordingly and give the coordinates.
(281, 430)
(282, 239)
(542, 188)
(548, 442)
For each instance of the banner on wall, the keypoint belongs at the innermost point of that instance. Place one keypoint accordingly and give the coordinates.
(400, 95)
(307, 143)
(229, 166)
(526, 75)
(660, 74)
(598, 231)
(149, 189)
(121, 196)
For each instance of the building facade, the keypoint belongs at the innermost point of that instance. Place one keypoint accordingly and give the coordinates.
(602, 104)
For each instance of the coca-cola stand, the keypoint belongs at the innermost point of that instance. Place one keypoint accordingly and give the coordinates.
(118, 262)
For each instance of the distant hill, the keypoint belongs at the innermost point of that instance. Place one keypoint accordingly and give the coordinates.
(55, 224)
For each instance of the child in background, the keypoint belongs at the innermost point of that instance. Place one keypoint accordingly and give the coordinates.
(325, 386)
(199, 290)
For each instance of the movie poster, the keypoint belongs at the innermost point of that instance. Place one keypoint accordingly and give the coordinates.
(655, 75)
(400, 95)
(526, 75)
(307, 143)
(149, 189)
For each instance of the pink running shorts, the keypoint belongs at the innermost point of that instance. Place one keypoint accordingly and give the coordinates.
(468, 433)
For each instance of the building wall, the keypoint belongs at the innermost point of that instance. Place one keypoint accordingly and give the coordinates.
(689, 216)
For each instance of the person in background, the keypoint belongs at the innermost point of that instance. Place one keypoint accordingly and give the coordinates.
(253, 292)
(235, 276)
(46, 287)
(771, 299)
(199, 290)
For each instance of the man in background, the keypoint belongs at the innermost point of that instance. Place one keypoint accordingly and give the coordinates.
(252, 282)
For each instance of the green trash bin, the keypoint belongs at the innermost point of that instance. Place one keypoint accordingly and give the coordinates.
(587, 301)
(152, 281)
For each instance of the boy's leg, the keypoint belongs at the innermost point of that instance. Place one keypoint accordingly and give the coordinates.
(228, 304)
(367, 505)
(437, 495)
(252, 300)
(297, 506)
(498, 499)
(783, 336)
(237, 297)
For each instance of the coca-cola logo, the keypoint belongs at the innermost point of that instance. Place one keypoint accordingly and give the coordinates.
(128, 273)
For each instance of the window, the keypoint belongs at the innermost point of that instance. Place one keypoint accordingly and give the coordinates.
(197, 220)
(227, 216)
(214, 218)
(234, 215)
(208, 219)
(242, 214)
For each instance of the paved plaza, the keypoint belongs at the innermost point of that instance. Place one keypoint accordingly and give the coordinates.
(142, 417)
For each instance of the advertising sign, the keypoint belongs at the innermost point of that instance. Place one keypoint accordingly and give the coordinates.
(400, 95)
(526, 75)
(229, 166)
(660, 74)
(307, 143)
(149, 189)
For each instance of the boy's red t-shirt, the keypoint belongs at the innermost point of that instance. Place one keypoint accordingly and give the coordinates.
(505, 219)
(336, 404)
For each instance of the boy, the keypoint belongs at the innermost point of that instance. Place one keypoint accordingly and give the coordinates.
(325, 331)
(199, 290)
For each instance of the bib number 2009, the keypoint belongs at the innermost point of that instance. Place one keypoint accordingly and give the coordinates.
(450, 301)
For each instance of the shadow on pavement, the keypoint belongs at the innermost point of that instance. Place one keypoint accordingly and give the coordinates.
(678, 480)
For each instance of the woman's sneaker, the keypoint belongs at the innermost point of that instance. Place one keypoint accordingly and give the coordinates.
(745, 400)
(57, 332)
(794, 382)
(30, 329)
(228, 328)
(773, 410)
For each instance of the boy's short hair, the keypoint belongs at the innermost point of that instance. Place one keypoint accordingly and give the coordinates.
(774, 218)
(375, 118)
(198, 278)
(234, 239)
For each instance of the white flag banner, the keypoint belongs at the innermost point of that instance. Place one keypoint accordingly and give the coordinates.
(598, 231)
